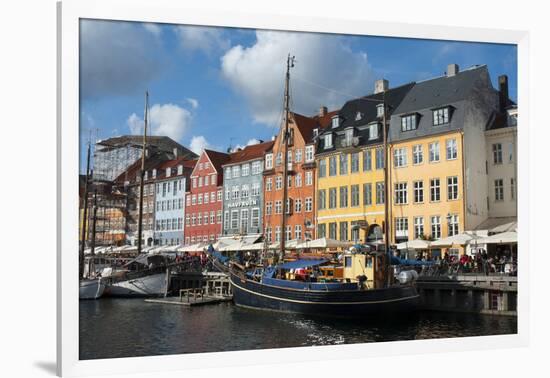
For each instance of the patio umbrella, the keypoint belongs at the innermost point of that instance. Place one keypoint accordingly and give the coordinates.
(325, 243)
(510, 237)
(458, 239)
(414, 244)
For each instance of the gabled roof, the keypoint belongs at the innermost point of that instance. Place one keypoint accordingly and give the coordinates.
(305, 125)
(325, 120)
(252, 152)
(217, 159)
(187, 165)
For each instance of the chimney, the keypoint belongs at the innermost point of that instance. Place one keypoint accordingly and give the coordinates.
(323, 111)
(175, 150)
(503, 92)
(452, 69)
(381, 86)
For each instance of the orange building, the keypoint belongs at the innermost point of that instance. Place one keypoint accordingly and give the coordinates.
(300, 208)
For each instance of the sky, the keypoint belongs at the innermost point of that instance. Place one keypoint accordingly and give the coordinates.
(222, 88)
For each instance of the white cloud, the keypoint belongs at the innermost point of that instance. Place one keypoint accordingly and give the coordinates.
(193, 102)
(155, 29)
(167, 119)
(202, 38)
(257, 72)
(253, 141)
(198, 144)
(117, 58)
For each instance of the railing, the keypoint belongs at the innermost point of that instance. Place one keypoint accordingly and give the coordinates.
(456, 268)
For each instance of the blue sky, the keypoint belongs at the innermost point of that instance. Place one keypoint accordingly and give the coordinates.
(222, 87)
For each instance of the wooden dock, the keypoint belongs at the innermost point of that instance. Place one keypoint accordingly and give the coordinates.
(206, 300)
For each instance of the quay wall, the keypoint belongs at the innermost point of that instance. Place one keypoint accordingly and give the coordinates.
(494, 295)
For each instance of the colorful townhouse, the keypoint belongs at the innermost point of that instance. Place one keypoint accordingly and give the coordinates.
(204, 200)
(439, 176)
(243, 191)
(172, 182)
(350, 168)
(300, 204)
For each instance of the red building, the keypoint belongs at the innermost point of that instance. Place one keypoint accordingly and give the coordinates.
(204, 201)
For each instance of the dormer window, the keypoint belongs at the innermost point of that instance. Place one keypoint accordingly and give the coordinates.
(315, 133)
(373, 131)
(145, 176)
(154, 173)
(348, 136)
(335, 121)
(328, 141)
(380, 110)
(408, 122)
(358, 116)
(168, 172)
(440, 116)
(180, 169)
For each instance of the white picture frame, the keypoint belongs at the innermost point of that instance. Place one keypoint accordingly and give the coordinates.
(69, 13)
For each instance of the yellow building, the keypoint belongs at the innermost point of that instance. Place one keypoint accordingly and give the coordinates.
(427, 184)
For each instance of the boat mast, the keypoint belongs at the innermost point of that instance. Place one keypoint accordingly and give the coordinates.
(142, 172)
(289, 64)
(94, 222)
(84, 216)
(386, 193)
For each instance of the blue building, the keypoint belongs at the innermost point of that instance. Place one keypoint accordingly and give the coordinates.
(243, 191)
(171, 184)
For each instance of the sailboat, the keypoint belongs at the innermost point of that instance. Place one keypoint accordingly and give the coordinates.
(152, 278)
(294, 286)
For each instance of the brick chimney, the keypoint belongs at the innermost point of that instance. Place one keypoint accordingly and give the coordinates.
(452, 69)
(503, 95)
(381, 86)
(323, 110)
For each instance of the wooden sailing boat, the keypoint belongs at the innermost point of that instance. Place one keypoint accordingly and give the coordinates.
(273, 288)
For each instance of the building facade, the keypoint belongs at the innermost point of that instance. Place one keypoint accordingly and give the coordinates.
(300, 206)
(243, 191)
(350, 168)
(172, 183)
(204, 200)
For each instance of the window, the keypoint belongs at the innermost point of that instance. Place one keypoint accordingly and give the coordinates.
(344, 164)
(234, 219)
(268, 234)
(400, 157)
(206, 198)
(328, 140)
(298, 232)
(434, 152)
(187, 221)
(298, 180)
(212, 217)
(373, 131)
(343, 231)
(435, 190)
(193, 220)
(279, 182)
(452, 188)
(335, 121)
(348, 137)
(354, 195)
(163, 189)
(219, 216)
(497, 153)
(332, 230)
(418, 156)
(367, 194)
(309, 204)
(245, 192)
(268, 161)
(343, 196)
(401, 227)
(380, 110)
(279, 159)
(288, 233)
(400, 193)
(226, 220)
(213, 197)
(322, 168)
(219, 195)
(408, 122)
(205, 217)
(453, 225)
(379, 158)
(332, 198)
(510, 152)
(321, 230)
(436, 226)
(512, 188)
(322, 199)
(367, 160)
(194, 182)
(199, 219)
(244, 220)
(418, 187)
(310, 153)
(256, 167)
(499, 190)
(278, 233)
(199, 199)
(355, 162)
(298, 155)
(236, 171)
(298, 205)
(332, 166)
(418, 227)
(268, 208)
(309, 178)
(235, 192)
(380, 193)
(200, 182)
(268, 184)
(450, 147)
(255, 189)
(440, 116)
(245, 170)
(278, 207)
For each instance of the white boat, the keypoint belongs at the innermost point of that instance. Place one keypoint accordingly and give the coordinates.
(91, 288)
(151, 285)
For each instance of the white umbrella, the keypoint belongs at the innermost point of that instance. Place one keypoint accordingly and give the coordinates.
(414, 244)
(324, 243)
(510, 237)
(458, 239)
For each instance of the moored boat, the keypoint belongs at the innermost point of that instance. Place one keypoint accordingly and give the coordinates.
(91, 288)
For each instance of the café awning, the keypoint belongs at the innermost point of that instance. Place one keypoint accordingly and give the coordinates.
(510, 237)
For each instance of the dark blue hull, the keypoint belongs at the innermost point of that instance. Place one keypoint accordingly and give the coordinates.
(345, 303)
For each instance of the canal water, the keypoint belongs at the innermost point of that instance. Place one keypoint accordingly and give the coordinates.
(111, 328)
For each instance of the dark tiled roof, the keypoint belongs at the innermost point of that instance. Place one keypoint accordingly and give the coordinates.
(255, 151)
